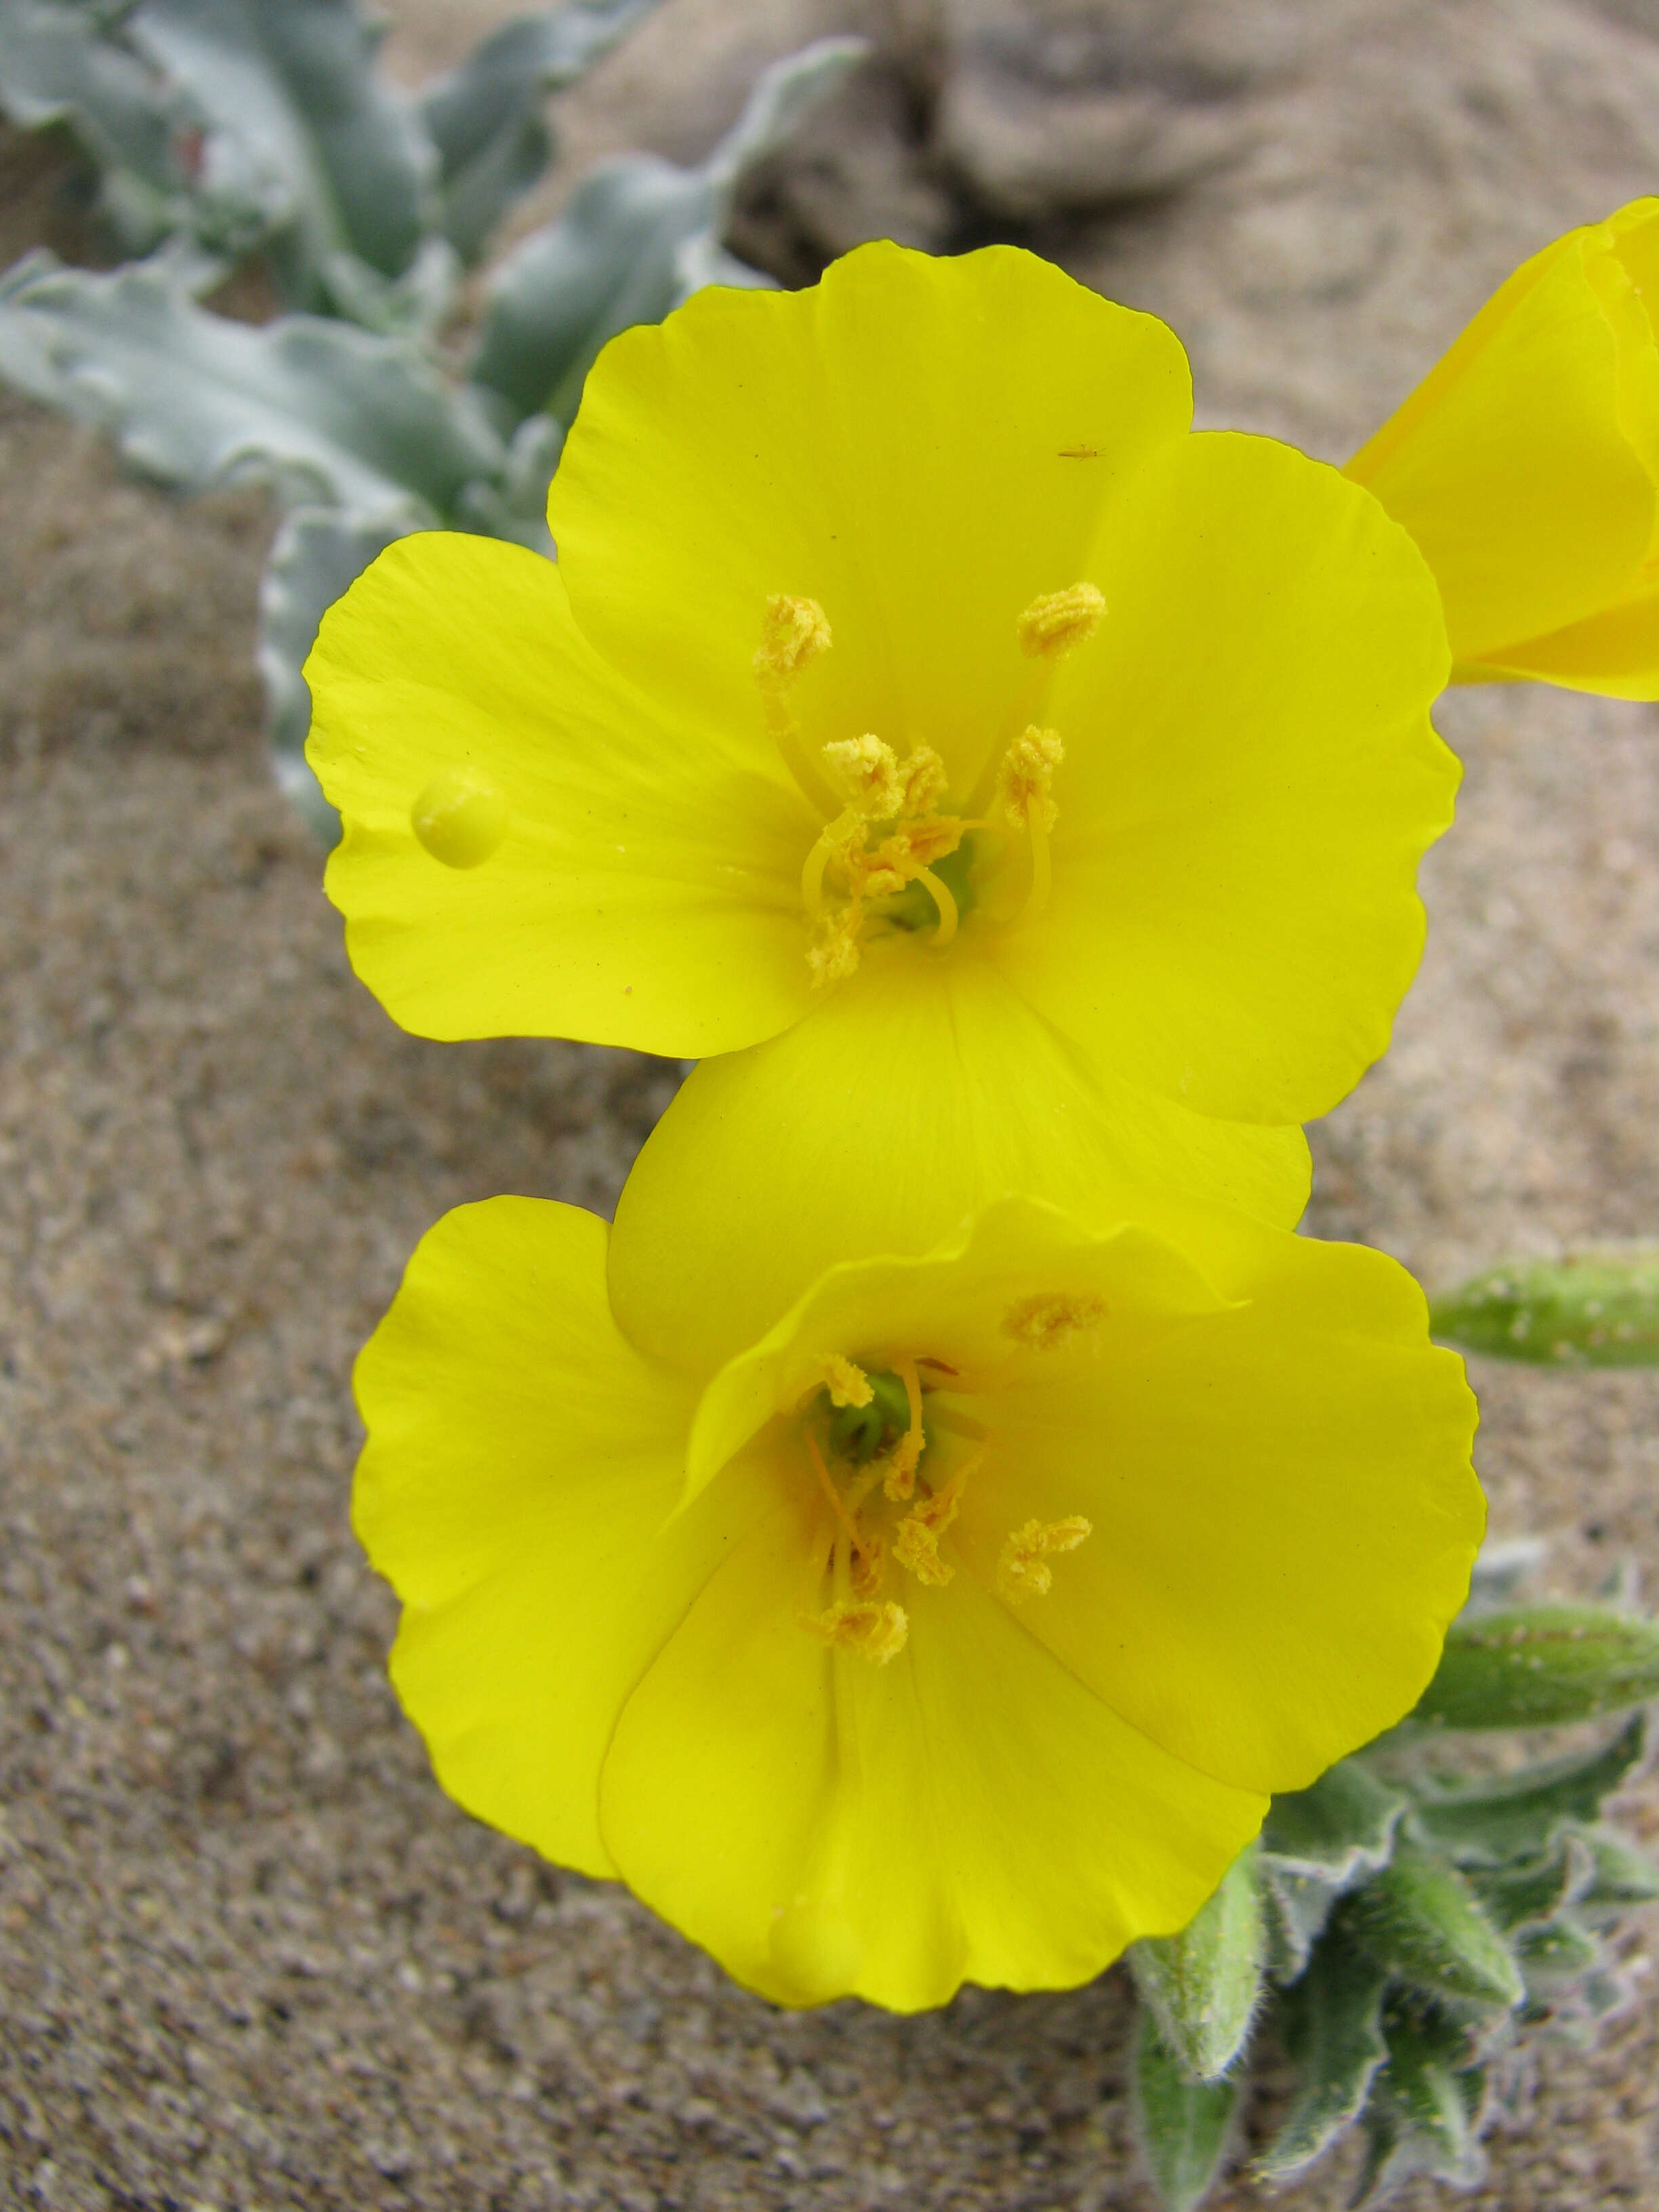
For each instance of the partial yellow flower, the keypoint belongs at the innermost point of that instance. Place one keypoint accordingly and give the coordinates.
(1526, 464)
(908, 662)
(956, 1629)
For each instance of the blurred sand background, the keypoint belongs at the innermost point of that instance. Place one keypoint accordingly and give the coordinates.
(250, 1958)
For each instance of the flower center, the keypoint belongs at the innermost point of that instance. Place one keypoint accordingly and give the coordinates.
(889, 1453)
(894, 854)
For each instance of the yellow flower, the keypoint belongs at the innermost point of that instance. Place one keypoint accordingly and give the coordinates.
(910, 673)
(1526, 464)
(957, 1629)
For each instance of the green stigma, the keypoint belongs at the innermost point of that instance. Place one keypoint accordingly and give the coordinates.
(857, 1433)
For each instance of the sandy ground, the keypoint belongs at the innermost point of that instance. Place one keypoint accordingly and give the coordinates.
(250, 1958)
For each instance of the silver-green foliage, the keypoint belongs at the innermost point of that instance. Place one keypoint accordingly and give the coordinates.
(220, 126)
(1402, 1940)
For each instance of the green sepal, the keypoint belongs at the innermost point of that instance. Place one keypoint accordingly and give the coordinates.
(1420, 1919)
(1331, 2025)
(1186, 2126)
(1316, 1843)
(1597, 1307)
(1514, 1816)
(1539, 1666)
(1202, 1986)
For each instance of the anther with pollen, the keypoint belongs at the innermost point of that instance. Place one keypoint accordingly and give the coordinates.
(1024, 1571)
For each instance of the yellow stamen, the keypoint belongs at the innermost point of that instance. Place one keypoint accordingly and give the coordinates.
(794, 632)
(916, 1545)
(875, 1629)
(869, 1568)
(837, 1504)
(1052, 1318)
(900, 1478)
(833, 954)
(1026, 778)
(1023, 1572)
(925, 779)
(846, 1383)
(1057, 621)
(867, 770)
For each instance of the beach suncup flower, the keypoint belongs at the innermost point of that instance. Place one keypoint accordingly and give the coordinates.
(1526, 464)
(957, 1629)
(910, 670)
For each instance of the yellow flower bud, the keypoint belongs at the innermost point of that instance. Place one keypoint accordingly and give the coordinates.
(1526, 465)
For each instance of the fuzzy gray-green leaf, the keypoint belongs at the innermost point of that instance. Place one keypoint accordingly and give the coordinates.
(1597, 1307)
(1331, 2023)
(485, 119)
(301, 130)
(1622, 1876)
(1420, 1918)
(1203, 1985)
(330, 415)
(1514, 1815)
(1316, 1843)
(1536, 1666)
(638, 237)
(1185, 2125)
(1528, 1892)
(62, 63)
(1424, 2109)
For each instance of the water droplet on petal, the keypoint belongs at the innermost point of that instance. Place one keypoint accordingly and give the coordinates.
(460, 817)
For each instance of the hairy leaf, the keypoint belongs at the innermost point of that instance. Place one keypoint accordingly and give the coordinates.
(485, 119)
(1316, 1843)
(1622, 1874)
(1420, 1919)
(1529, 1892)
(303, 135)
(1331, 2024)
(1425, 2110)
(1535, 1666)
(638, 238)
(1203, 1985)
(60, 63)
(329, 415)
(1597, 1307)
(1185, 2126)
(1514, 1816)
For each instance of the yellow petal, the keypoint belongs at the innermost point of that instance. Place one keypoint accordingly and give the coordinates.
(967, 1811)
(1524, 463)
(921, 445)
(1284, 1511)
(522, 1466)
(1250, 777)
(532, 845)
(915, 1094)
(967, 1304)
